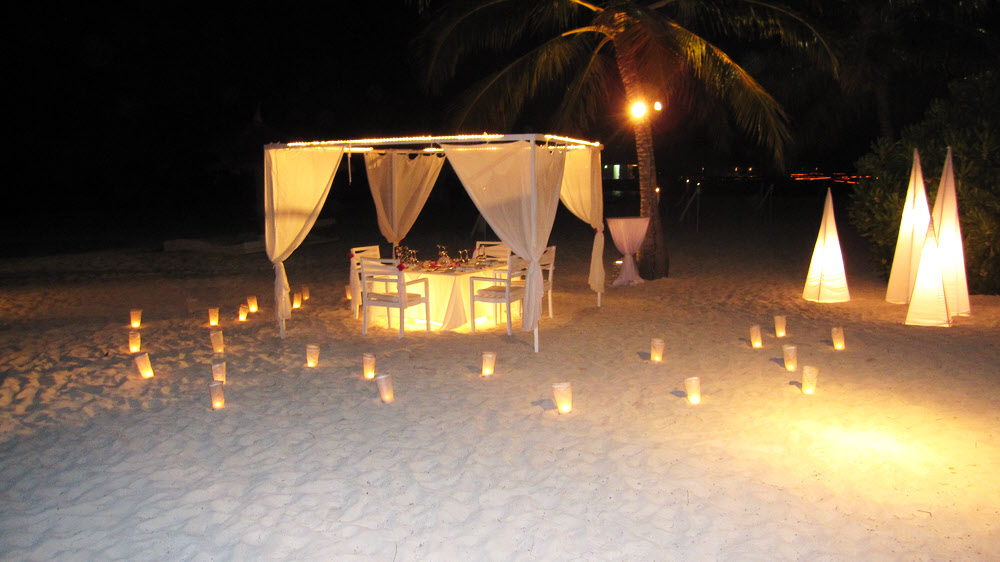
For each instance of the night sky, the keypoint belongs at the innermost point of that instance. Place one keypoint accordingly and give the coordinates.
(147, 122)
(163, 113)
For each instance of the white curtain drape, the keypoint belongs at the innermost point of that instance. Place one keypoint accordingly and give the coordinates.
(400, 185)
(516, 188)
(296, 183)
(582, 194)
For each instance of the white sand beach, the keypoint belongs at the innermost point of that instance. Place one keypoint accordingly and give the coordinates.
(895, 457)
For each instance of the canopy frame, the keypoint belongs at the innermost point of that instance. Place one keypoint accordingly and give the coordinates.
(277, 253)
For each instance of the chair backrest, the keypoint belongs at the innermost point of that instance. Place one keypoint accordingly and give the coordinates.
(356, 255)
(363, 252)
(383, 270)
(516, 267)
(548, 259)
(491, 249)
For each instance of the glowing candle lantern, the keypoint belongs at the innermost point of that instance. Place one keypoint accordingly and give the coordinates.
(312, 355)
(790, 353)
(215, 391)
(305, 293)
(779, 326)
(489, 362)
(144, 366)
(213, 317)
(216, 337)
(755, 340)
(252, 303)
(134, 341)
(219, 369)
(809, 375)
(135, 316)
(837, 335)
(244, 311)
(347, 292)
(384, 383)
(297, 300)
(563, 393)
(656, 350)
(692, 386)
(368, 365)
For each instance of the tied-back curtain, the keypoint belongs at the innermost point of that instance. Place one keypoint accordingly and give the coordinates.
(581, 193)
(296, 183)
(400, 186)
(516, 188)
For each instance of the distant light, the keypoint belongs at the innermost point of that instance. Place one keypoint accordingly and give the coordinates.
(657, 190)
(638, 109)
(657, 106)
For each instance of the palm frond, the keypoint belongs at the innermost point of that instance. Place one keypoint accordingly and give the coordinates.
(497, 100)
(686, 64)
(464, 28)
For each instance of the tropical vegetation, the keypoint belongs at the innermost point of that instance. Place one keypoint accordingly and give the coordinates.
(586, 56)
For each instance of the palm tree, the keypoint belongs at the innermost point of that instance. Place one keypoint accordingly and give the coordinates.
(582, 51)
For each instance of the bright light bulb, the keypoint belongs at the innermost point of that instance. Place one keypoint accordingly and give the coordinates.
(638, 109)
(657, 106)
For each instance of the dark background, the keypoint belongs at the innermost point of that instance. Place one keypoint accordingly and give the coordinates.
(139, 124)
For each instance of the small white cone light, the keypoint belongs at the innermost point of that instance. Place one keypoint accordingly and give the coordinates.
(252, 303)
(215, 391)
(809, 375)
(312, 355)
(297, 300)
(837, 336)
(368, 365)
(755, 340)
(790, 353)
(305, 293)
(384, 383)
(563, 394)
(134, 342)
(217, 345)
(135, 317)
(489, 362)
(213, 317)
(656, 350)
(219, 369)
(692, 386)
(779, 326)
(145, 367)
(244, 311)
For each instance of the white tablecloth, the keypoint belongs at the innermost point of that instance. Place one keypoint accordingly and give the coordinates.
(449, 298)
(627, 234)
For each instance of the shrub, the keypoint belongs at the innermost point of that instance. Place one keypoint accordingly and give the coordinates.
(969, 122)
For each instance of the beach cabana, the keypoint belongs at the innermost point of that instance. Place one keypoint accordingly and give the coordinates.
(515, 181)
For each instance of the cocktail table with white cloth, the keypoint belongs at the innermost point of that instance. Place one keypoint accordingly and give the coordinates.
(627, 233)
(448, 290)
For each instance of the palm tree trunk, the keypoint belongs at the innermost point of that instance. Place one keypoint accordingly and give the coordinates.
(654, 262)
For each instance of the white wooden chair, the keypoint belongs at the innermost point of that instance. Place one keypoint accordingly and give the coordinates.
(493, 249)
(355, 268)
(397, 293)
(503, 290)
